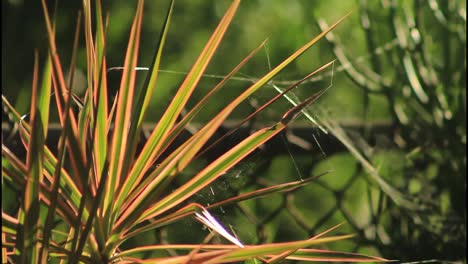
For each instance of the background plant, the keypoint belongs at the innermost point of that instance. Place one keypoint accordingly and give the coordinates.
(426, 94)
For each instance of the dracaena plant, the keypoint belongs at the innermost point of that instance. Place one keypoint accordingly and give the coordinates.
(83, 200)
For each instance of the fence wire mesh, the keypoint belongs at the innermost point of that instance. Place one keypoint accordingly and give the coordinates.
(418, 212)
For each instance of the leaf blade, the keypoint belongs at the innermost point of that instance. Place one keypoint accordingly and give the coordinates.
(29, 241)
(156, 139)
(141, 105)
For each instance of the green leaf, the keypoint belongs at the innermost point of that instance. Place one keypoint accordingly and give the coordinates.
(316, 255)
(45, 94)
(123, 116)
(141, 104)
(160, 133)
(78, 158)
(267, 249)
(100, 126)
(28, 237)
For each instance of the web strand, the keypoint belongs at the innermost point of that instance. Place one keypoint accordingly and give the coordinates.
(320, 77)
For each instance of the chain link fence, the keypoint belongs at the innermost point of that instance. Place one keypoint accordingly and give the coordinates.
(416, 63)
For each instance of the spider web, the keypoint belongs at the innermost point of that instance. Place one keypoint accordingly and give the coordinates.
(240, 177)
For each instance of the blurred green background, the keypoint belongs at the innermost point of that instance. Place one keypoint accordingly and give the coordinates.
(400, 65)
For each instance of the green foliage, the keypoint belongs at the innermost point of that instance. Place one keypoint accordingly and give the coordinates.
(422, 79)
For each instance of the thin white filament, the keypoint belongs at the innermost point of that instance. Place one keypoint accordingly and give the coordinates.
(207, 219)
